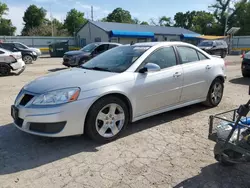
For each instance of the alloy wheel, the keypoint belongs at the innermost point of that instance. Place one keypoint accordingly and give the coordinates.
(110, 120)
(217, 93)
(27, 59)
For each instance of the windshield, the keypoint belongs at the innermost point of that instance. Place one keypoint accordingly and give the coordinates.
(117, 59)
(20, 46)
(206, 43)
(89, 47)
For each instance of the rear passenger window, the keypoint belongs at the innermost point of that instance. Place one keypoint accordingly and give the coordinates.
(187, 54)
(164, 57)
(201, 56)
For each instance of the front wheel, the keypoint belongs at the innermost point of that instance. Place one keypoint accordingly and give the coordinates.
(215, 93)
(223, 54)
(27, 59)
(106, 119)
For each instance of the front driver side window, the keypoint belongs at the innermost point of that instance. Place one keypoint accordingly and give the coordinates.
(164, 57)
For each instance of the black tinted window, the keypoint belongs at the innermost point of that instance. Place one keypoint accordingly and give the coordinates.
(187, 54)
(1, 52)
(101, 48)
(201, 56)
(164, 57)
(112, 46)
(7, 46)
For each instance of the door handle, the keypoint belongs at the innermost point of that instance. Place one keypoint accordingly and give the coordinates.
(208, 67)
(177, 74)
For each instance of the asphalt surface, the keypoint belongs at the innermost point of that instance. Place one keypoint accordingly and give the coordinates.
(167, 150)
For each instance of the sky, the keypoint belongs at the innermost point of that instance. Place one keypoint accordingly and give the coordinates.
(144, 10)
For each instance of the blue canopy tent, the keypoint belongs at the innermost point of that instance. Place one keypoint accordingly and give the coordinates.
(131, 34)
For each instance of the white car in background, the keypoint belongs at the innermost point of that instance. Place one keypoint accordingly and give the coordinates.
(10, 61)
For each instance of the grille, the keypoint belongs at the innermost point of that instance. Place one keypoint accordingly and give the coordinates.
(49, 128)
(26, 98)
(19, 122)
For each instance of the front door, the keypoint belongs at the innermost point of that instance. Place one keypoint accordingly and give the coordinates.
(195, 69)
(157, 90)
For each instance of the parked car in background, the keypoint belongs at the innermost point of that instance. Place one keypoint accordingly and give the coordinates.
(20, 45)
(245, 66)
(28, 55)
(76, 58)
(214, 47)
(121, 85)
(10, 61)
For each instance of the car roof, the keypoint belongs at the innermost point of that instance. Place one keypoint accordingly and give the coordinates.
(169, 43)
(5, 51)
(99, 43)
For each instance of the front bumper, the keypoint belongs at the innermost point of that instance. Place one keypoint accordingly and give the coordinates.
(17, 65)
(54, 121)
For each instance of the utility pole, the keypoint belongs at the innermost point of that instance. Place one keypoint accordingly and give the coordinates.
(92, 13)
(226, 21)
(52, 26)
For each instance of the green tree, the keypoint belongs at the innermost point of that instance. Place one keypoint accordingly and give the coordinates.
(119, 15)
(165, 21)
(33, 17)
(203, 23)
(74, 20)
(241, 18)
(225, 12)
(6, 27)
(136, 21)
(144, 23)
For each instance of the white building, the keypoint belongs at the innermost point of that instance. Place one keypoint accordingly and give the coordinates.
(122, 33)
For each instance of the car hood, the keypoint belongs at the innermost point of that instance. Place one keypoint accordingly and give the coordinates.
(78, 52)
(26, 50)
(76, 77)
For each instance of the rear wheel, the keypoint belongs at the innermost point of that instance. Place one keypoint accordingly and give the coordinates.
(215, 93)
(4, 70)
(27, 59)
(106, 119)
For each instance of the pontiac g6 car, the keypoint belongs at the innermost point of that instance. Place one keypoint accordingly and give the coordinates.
(122, 85)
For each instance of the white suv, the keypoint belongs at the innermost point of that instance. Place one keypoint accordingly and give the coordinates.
(10, 61)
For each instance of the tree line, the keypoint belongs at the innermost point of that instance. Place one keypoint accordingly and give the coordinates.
(223, 15)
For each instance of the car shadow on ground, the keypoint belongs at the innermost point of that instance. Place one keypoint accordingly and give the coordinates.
(217, 176)
(57, 69)
(21, 151)
(241, 81)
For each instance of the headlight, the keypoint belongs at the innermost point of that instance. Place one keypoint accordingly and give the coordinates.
(34, 53)
(58, 97)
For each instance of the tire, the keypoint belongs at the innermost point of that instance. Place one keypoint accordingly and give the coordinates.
(27, 59)
(223, 54)
(219, 157)
(4, 70)
(214, 96)
(101, 125)
(244, 74)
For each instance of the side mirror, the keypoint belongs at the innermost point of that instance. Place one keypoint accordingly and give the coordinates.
(150, 67)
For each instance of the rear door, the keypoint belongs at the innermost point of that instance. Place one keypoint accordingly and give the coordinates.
(196, 67)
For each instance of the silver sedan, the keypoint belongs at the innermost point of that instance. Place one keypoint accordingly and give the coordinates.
(122, 85)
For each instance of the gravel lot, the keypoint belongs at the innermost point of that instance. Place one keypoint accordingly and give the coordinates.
(167, 150)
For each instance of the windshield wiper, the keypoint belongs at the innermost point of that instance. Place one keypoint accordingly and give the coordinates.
(96, 68)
